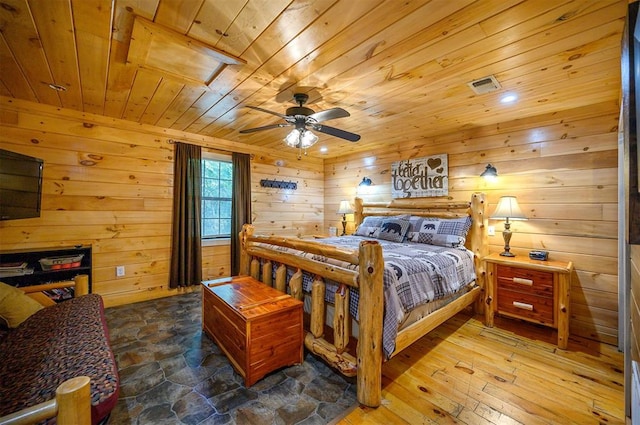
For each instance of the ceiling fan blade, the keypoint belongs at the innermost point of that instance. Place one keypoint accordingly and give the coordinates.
(267, 111)
(352, 137)
(329, 114)
(266, 127)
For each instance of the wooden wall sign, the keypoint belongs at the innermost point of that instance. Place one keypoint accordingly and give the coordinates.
(420, 177)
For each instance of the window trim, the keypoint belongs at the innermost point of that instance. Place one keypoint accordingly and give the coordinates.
(214, 240)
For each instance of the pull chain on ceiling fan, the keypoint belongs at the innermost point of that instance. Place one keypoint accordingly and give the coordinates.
(304, 120)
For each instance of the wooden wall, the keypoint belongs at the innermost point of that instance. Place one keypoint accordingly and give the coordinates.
(563, 169)
(109, 183)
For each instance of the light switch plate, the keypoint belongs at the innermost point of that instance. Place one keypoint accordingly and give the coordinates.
(119, 271)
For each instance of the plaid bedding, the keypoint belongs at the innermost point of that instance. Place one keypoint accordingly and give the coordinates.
(414, 274)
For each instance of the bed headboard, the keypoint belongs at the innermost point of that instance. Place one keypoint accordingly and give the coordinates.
(477, 238)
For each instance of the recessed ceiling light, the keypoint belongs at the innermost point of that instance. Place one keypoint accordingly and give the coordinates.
(57, 87)
(323, 149)
(509, 98)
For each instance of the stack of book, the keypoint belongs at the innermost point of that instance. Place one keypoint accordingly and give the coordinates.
(14, 269)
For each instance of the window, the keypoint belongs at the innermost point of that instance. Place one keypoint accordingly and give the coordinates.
(217, 188)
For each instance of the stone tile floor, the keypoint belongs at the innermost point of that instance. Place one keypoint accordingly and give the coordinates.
(172, 373)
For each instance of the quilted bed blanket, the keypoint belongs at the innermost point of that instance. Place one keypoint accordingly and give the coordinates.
(414, 274)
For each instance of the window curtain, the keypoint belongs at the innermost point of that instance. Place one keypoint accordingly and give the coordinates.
(186, 251)
(241, 204)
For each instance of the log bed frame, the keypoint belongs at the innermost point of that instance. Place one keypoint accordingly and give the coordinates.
(72, 403)
(368, 279)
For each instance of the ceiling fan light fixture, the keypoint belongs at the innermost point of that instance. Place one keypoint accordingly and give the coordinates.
(300, 139)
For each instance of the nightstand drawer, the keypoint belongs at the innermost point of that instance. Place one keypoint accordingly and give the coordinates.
(525, 280)
(531, 307)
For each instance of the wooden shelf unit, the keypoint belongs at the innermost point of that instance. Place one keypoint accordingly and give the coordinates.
(40, 276)
(531, 290)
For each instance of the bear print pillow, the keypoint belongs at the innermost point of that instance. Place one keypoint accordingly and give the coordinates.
(393, 229)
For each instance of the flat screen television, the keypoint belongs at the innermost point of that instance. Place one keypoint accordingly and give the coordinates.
(20, 185)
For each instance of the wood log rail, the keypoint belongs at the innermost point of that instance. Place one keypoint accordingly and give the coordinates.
(71, 406)
(257, 260)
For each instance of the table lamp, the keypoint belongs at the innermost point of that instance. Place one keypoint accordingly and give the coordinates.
(344, 209)
(507, 209)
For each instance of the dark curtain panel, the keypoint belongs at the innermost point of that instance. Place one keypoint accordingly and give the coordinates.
(186, 252)
(241, 205)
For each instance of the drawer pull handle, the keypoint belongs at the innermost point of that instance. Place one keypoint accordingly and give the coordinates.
(523, 306)
(523, 281)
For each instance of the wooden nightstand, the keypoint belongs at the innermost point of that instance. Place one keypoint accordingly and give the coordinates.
(536, 291)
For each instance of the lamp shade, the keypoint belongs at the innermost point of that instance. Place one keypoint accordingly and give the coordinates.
(344, 208)
(508, 209)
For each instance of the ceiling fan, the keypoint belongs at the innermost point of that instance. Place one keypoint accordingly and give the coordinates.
(305, 119)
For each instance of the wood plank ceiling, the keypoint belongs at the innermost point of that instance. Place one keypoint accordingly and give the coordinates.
(400, 67)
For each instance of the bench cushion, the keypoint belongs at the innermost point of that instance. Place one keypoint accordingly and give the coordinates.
(57, 343)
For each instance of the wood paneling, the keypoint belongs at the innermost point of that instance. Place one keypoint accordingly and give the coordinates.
(401, 68)
(109, 183)
(563, 169)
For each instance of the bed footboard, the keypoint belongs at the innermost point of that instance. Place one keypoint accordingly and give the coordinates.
(258, 261)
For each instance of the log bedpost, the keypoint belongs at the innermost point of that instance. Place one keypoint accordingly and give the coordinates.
(254, 270)
(371, 306)
(245, 258)
(296, 285)
(341, 319)
(479, 245)
(281, 278)
(267, 273)
(358, 211)
(318, 289)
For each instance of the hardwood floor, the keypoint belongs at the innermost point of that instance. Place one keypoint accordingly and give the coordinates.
(463, 372)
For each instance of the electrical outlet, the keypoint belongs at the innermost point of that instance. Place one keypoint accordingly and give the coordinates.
(119, 271)
(491, 230)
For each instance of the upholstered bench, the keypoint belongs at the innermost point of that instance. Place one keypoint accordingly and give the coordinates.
(55, 344)
(258, 327)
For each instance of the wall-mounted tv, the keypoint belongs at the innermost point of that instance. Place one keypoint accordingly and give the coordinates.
(20, 185)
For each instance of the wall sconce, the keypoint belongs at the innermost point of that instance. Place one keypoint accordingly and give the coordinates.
(344, 209)
(490, 173)
(507, 209)
(366, 181)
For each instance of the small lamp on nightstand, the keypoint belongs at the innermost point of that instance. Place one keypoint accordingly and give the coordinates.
(344, 209)
(508, 209)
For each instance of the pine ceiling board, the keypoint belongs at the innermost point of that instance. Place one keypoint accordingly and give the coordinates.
(57, 36)
(432, 13)
(12, 76)
(4, 91)
(253, 19)
(93, 23)
(562, 9)
(347, 37)
(164, 95)
(270, 42)
(187, 97)
(178, 14)
(120, 80)
(22, 38)
(144, 87)
(124, 13)
(531, 45)
(213, 20)
(483, 52)
(262, 91)
(354, 41)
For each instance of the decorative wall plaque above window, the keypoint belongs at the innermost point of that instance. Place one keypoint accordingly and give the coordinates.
(420, 177)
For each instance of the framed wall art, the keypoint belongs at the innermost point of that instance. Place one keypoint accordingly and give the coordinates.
(420, 177)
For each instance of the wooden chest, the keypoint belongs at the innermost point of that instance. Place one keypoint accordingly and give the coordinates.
(256, 326)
